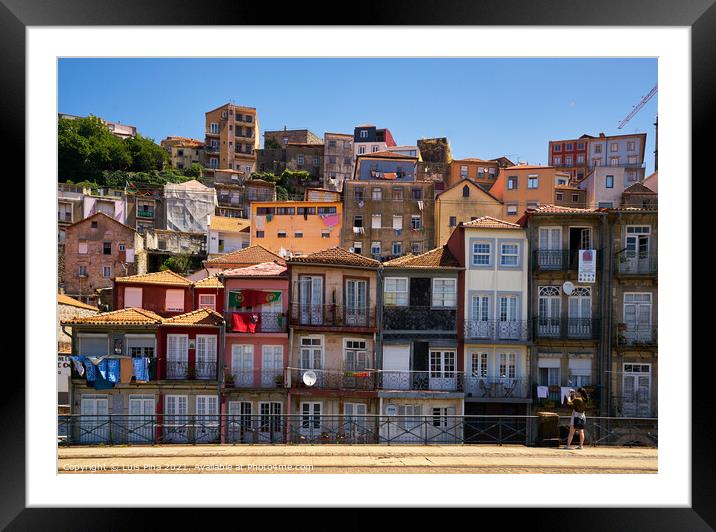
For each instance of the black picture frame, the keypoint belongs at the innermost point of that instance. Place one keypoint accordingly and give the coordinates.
(699, 15)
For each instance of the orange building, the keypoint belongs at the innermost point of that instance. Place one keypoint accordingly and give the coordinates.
(525, 187)
(479, 171)
(232, 137)
(295, 228)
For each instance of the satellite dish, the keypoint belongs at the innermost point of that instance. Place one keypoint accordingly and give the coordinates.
(568, 287)
(309, 378)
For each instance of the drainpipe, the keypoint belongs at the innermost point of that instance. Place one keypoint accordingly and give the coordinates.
(607, 273)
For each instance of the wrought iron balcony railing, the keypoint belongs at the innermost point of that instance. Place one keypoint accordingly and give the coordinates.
(497, 387)
(255, 378)
(332, 315)
(352, 379)
(569, 328)
(497, 330)
(413, 318)
(256, 322)
(449, 381)
(635, 334)
(560, 259)
(145, 213)
(184, 370)
(636, 264)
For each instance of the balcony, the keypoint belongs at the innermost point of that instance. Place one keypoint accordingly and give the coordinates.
(180, 370)
(560, 259)
(335, 379)
(305, 315)
(212, 149)
(567, 329)
(444, 381)
(497, 387)
(415, 318)
(255, 378)
(145, 213)
(497, 331)
(635, 334)
(636, 264)
(263, 322)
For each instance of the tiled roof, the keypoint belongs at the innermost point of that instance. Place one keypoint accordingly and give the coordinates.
(63, 299)
(556, 209)
(489, 222)
(435, 258)
(638, 188)
(226, 223)
(208, 282)
(202, 316)
(337, 256)
(99, 213)
(386, 155)
(266, 269)
(163, 277)
(251, 255)
(125, 316)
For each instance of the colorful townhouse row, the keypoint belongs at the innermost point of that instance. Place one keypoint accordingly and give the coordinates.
(503, 319)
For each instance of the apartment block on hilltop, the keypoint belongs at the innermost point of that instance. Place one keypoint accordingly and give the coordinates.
(480, 171)
(338, 160)
(232, 138)
(183, 151)
(285, 136)
(227, 234)
(526, 187)
(306, 157)
(369, 139)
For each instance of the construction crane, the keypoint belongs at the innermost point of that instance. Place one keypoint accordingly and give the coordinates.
(638, 106)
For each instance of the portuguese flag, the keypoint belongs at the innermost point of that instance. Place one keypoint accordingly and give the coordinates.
(252, 298)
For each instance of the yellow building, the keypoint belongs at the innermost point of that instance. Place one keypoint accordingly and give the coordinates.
(295, 228)
(461, 203)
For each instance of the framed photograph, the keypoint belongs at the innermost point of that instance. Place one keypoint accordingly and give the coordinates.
(513, 97)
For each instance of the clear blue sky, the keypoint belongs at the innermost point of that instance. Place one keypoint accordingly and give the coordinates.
(486, 107)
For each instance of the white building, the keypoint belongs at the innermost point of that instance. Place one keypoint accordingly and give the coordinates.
(188, 206)
(225, 234)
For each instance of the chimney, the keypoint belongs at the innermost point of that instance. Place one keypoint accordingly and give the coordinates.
(602, 135)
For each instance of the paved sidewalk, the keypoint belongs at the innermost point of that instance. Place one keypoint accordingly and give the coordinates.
(312, 459)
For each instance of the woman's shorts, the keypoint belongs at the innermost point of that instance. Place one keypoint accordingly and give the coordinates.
(578, 422)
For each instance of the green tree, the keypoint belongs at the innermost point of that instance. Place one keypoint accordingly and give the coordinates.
(177, 263)
(195, 171)
(146, 155)
(271, 144)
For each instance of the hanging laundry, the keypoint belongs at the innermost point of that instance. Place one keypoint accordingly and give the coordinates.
(542, 392)
(91, 370)
(330, 220)
(269, 217)
(565, 393)
(420, 205)
(100, 383)
(390, 175)
(141, 369)
(244, 322)
(126, 370)
(113, 370)
(102, 368)
(77, 363)
(260, 222)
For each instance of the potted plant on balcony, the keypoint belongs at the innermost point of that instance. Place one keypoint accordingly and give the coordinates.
(278, 379)
(191, 372)
(228, 379)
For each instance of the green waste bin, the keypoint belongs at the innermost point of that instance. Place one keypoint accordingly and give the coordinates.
(547, 429)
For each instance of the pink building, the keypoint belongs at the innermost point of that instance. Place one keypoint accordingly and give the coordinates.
(255, 352)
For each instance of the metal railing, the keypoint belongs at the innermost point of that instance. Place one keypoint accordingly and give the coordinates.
(497, 330)
(628, 264)
(635, 334)
(255, 378)
(274, 322)
(185, 370)
(145, 213)
(568, 328)
(149, 429)
(332, 315)
(560, 259)
(351, 379)
(497, 387)
(447, 381)
(412, 318)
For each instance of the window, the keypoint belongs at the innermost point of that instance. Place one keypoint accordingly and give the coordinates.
(556, 161)
(614, 147)
(324, 234)
(397, 223)
(358, 193)
(207, 301)
(132, 297)
(569, 146)
(568, 160)
(508, 366)
(375, 221)
(444, 293)
(512, 183)
(363, 133)
(631, 145)
(358, 247)
(580, 159)
(463, 171)
(632, 159)
(557, 147)
(331, 143)
(375, 248)
(417, 194)
(509, 255)
(416, 247)
(358, 221)
(580, 372)
(580, 145)
(374, 149)
(511, 210)
(300, 160)
(598, 148)
(533, 182)
(377, 194)
(479, 365)
(83, 271)
(214, 127)
(453, 221)
(609, 181)
(332, 159)
(355, 356)
(575, 198)
(415, 221)
(298, 234)
(106, 272)
(281, 234)
(174, 301)
(560, 196)
(82, 247)
(361, 150)
(614, 161)
(480, 254)
(397, 248)
(311, 352)
(398, 193)
(107, 248)
(442, 364)
(531, 204)
(316, 161)
(465, 191)
(395, 292)
(259, 234)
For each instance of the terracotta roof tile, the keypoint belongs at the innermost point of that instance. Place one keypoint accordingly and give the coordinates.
(209, 282)
(557, 209)
(202, 316)
(435, 258)
(489, 222)
(166, 277)
(638, 188)
(125, 316)
(266, 269)
(337, 256)
(63, 299)
(226, 223)
(251, 255)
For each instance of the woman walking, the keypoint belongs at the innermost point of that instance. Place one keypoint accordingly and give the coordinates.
(579, 418)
